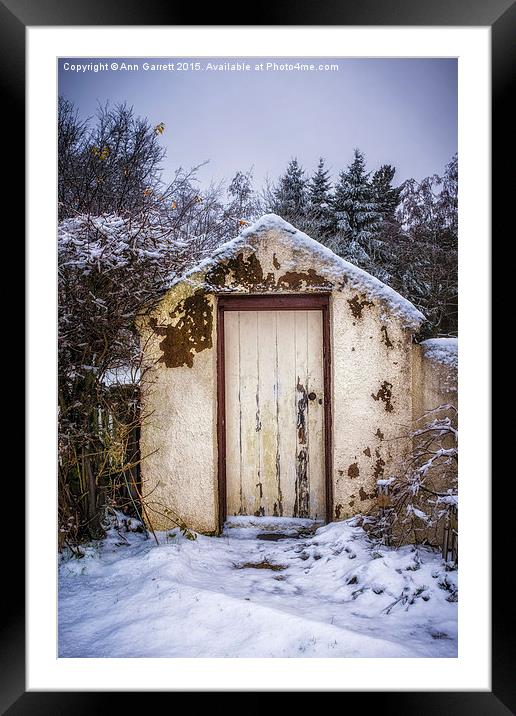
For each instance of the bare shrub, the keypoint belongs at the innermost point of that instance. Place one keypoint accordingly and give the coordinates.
(416, 505)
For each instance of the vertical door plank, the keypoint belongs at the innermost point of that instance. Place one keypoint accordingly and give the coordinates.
(268, 433)
(232, 418)
(250, 414)
(302, 503)
(315, 419)
(286, 411)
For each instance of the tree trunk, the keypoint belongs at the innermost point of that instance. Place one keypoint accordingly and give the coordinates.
(93, 512)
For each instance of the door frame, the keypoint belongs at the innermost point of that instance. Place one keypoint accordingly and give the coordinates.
(272, 302)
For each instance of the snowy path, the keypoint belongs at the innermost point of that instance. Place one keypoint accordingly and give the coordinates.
(218, 597)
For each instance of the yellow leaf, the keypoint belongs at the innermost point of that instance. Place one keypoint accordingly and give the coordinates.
(101, 153)
(159, 128)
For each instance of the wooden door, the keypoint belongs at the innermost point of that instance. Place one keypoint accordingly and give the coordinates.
(274, 413)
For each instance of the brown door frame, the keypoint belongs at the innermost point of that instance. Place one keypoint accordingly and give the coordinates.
(273, 302)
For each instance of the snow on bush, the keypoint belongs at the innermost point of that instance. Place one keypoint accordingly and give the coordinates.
(423, 492)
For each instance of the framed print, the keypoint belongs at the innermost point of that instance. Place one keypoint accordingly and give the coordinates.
(292, 351)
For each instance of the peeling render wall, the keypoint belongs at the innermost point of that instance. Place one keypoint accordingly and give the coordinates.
(179, 426)
(434, 370)
(372, 401)
(434, 365)
(372, 375)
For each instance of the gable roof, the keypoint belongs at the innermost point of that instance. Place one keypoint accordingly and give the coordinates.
(332, 267)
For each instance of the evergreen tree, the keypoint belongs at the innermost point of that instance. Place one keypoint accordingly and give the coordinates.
(289, 198)
(319, 199)
(356, 212)
(387, 199)
(386, 196)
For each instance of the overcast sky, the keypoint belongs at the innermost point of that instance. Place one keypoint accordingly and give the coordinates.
(397, 111)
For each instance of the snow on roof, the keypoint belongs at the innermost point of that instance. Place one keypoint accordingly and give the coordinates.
(332, 267)
(442, 350)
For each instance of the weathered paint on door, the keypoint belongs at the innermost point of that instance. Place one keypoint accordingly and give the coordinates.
(274, 413)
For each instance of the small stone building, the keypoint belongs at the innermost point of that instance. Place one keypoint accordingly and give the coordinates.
(279, 381)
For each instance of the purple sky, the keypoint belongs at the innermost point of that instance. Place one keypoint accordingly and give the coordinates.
(397, 111)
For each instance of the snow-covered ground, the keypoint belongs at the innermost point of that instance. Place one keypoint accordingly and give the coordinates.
(324, 593)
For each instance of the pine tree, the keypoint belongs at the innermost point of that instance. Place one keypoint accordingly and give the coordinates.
(319, 199)
(356, 212)
(386, 238)
(386, 196)
(290, 195)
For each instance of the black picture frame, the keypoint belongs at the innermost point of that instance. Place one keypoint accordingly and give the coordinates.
(500, 15)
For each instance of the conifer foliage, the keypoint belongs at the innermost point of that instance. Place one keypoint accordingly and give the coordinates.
(289, 198)
(319, 199)
(357, 215)
(386, 196)
(405, 235)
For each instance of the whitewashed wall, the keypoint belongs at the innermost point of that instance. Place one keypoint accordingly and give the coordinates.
(373, 372)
